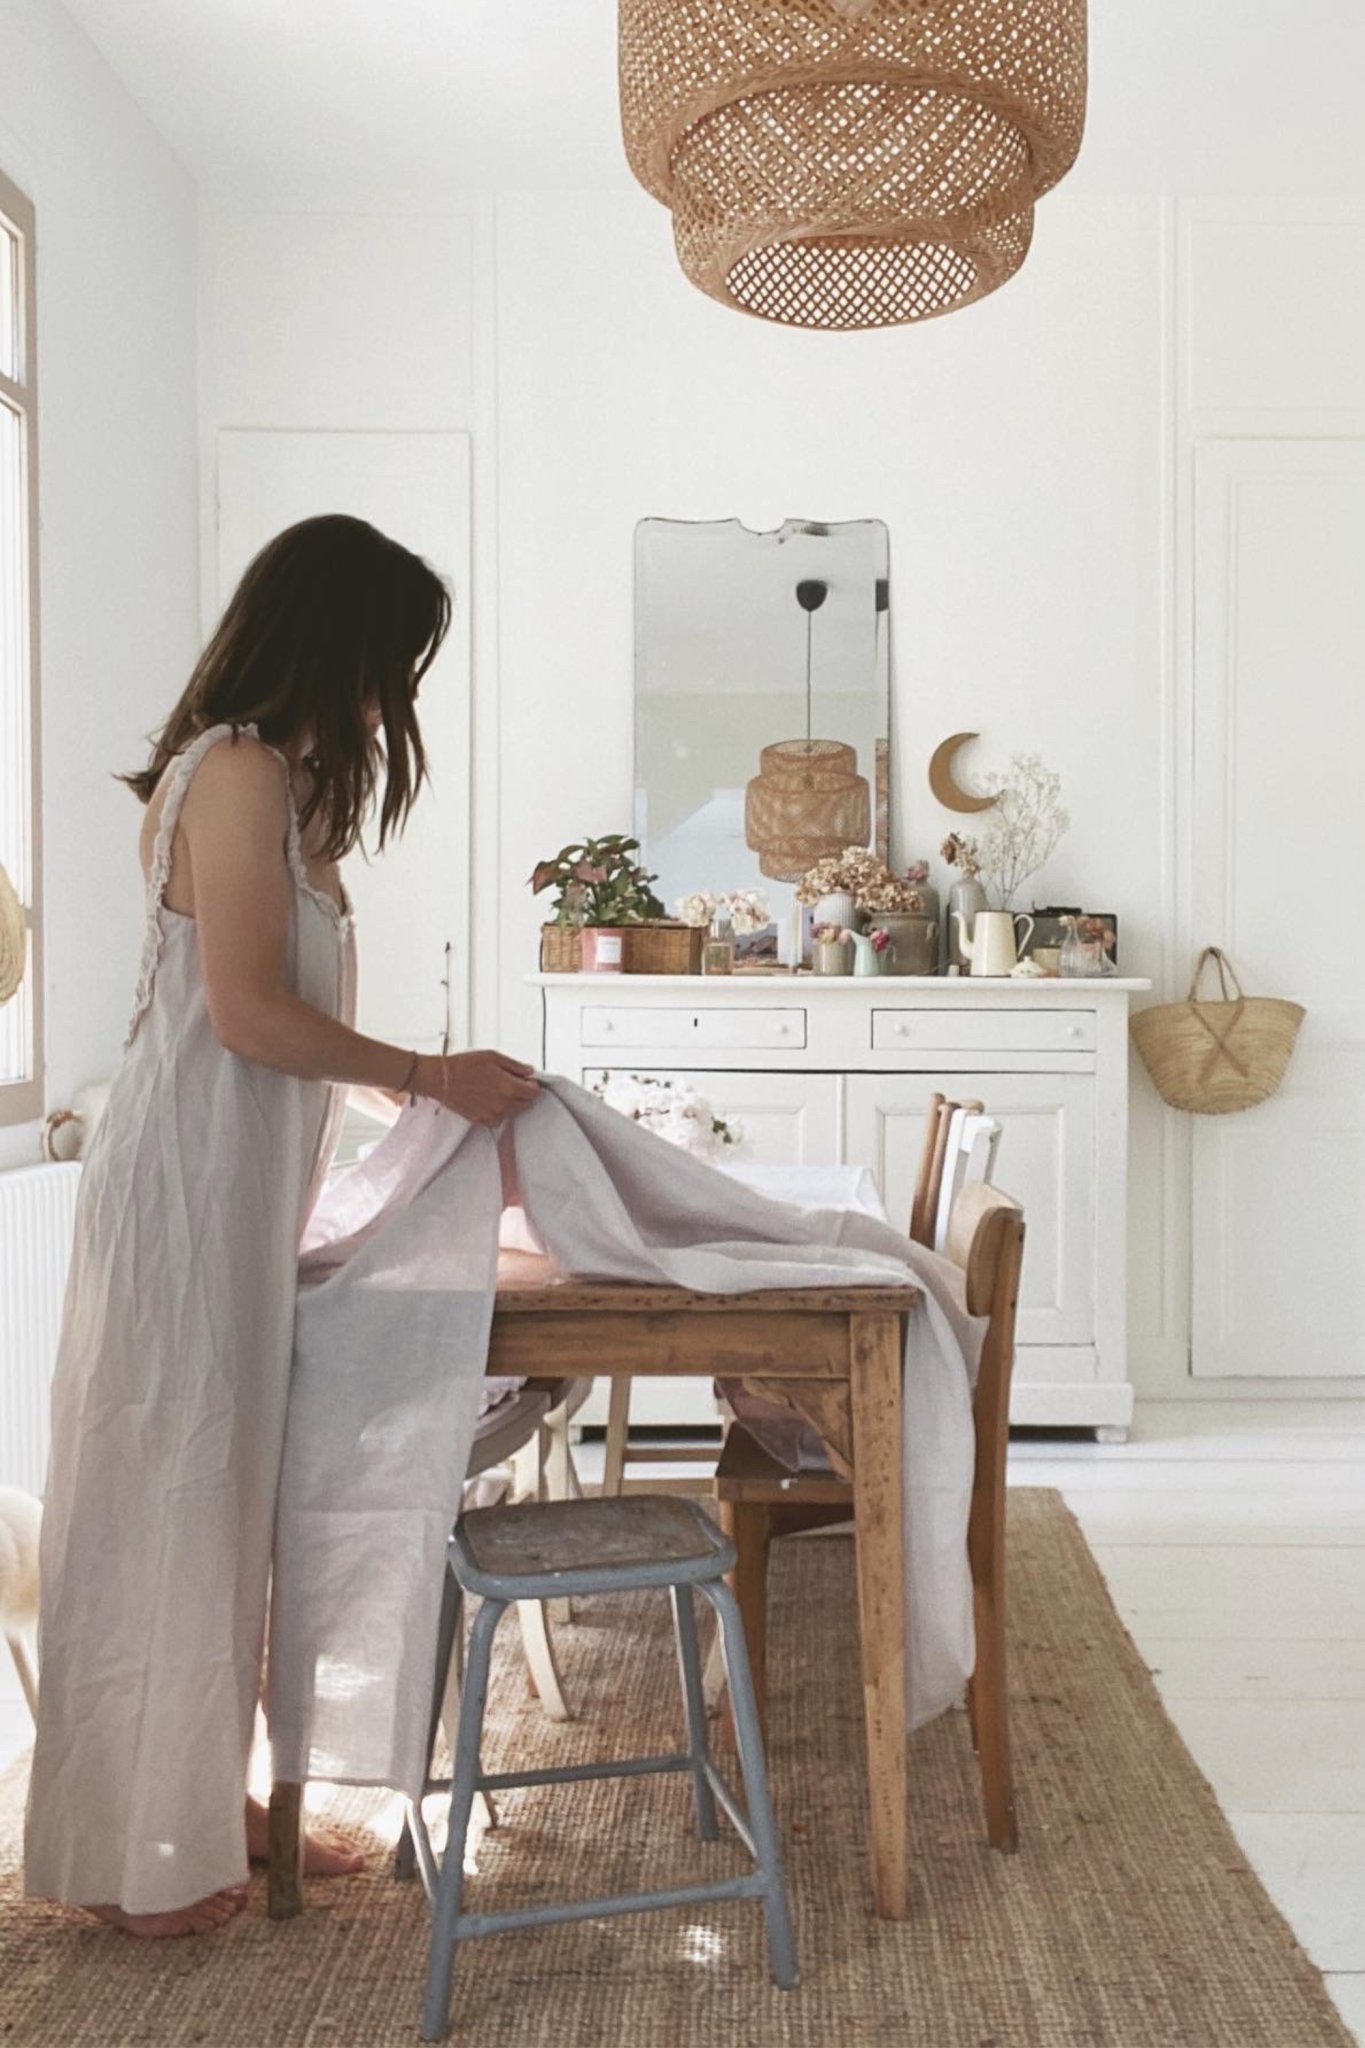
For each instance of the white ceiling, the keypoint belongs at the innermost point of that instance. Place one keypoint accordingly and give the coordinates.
(423, 98)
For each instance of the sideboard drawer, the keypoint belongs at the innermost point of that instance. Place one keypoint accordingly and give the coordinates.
(956, 1029)
(681, 1029)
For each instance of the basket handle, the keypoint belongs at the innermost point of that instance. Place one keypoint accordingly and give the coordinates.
(1219, 1047)
(1226, 973)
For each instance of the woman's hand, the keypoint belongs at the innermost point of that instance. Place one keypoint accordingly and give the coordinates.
(482, 1087)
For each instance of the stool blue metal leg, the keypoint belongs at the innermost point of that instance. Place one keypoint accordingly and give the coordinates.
(452, 1607)
(767, 1853)
(694, 1702)
(464, 1783)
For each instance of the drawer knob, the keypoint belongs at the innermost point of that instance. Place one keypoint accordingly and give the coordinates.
(782, 1030)
(902, 1029)
(607, 1024)
(1073, 1030)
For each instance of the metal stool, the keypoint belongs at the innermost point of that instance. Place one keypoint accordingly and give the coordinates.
(547, 1550)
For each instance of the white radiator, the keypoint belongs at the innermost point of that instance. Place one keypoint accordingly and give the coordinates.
(37, 1210)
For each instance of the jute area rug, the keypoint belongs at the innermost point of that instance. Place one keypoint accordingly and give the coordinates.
(1129, 1920)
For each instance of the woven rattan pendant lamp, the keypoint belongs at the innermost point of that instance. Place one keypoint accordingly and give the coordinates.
(808, 801)
(851, 163)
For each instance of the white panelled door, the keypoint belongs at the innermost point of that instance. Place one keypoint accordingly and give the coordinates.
(415, 487)
(1279, 857)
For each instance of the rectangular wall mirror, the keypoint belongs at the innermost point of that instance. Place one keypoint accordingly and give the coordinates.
(761, 700)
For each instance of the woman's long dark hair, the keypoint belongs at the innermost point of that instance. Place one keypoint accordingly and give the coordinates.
(329, 618)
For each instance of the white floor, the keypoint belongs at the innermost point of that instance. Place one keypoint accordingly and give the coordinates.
(1233, 1541)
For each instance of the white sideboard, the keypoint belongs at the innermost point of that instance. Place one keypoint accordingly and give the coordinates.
(839, 1071)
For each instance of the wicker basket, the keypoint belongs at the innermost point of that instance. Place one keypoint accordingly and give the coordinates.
(660, 946)
(13, 939)
(1212, 1058)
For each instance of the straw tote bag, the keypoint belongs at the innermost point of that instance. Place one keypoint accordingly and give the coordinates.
(1214, 1057)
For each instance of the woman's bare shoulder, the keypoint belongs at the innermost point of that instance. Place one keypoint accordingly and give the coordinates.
(240, 770)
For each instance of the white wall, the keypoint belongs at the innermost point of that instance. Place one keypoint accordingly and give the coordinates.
(1016, 451)
(1031, 457)
(367, 325)
(116, 270)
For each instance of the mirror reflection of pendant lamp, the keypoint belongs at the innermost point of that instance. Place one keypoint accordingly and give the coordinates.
(808, 800)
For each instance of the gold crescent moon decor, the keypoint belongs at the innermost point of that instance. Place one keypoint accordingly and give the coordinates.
(13, 939)
(942, 783)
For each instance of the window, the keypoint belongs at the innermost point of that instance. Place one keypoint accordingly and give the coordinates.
(21, 1080)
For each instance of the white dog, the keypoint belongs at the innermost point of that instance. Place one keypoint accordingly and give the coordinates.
(20, 1519)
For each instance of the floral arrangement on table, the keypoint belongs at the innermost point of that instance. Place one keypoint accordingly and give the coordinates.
(600, 882)
(1022, 833)
(672, 1110)
(861, 874)
(747, 910)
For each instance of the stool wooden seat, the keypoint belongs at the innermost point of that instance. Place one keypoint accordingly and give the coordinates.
(540, 1548)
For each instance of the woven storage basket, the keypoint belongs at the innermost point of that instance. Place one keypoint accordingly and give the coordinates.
(656, 947)
(1212, 1058)
(13, 939)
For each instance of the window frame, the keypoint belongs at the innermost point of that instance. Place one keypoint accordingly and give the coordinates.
(24, 1101)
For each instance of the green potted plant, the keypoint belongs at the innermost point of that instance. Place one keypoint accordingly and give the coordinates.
(601, 886)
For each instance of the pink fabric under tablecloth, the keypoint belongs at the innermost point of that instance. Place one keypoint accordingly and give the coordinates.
(395, 1304)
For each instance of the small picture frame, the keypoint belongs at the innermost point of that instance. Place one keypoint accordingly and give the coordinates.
(1049, 930)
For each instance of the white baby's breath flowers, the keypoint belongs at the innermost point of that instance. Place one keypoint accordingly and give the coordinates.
(1024, 829)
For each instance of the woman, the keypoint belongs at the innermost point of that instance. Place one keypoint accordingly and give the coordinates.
(169, 1392)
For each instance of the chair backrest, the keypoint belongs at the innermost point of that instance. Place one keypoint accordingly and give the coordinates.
(960, 1144)
(986, 1241)
(924, 1204)
(973, 1142)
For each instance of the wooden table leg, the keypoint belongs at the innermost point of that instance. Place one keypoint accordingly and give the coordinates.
(876, 1364)
(284, 1866)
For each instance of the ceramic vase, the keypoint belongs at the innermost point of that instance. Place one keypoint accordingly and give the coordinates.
(832, 956)
(965, 899)
(840, 909)
(866, 959)
(914, 941)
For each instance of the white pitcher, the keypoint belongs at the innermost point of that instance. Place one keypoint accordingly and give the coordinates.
(992, 946)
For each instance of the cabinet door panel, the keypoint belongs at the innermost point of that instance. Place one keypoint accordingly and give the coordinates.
(786, 1119)
(1046, 1160)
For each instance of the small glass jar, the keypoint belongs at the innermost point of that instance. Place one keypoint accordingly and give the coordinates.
(718, 951)
(1080, 959)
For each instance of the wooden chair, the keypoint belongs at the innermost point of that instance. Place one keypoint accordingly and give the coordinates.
(970, 1154)
(758, 1499)
(934, 1166)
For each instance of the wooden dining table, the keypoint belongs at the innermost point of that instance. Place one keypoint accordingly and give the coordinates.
(833, 1355)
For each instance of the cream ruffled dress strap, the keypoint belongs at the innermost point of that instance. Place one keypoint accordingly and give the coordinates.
(178, 780)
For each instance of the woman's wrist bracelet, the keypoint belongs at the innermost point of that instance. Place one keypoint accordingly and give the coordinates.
(405, 1086)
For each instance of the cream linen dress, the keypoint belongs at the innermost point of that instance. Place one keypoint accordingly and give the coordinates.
(168, 1409)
